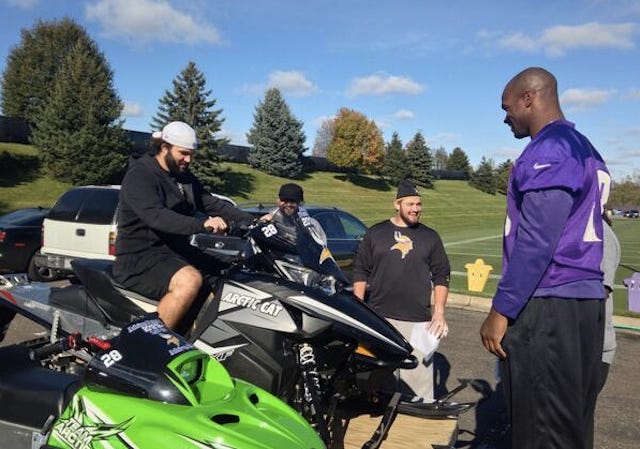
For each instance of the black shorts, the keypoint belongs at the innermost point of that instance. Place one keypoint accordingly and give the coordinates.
(149, 273)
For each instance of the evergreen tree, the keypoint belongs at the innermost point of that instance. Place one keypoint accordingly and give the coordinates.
(484, 178)
(459, 161)
(502, 176)
(277, 138)
(77, 128)
(419, 161)
(395, 164)
(189, 101)
(33, 64)
(357, 143)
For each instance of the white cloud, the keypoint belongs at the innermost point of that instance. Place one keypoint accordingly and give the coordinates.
(291, 82)
(383, 84)
(141, 21)
(442, 139)
(404, 114)
(251, 90)
(633, 94)
(131, 109)
(584, 98)
(519, 42)
(559, 39)
(233, 137)
(634, 131)
(319, 121)
(507, 153)
(630, 153)
(24, 4)
(382, 123)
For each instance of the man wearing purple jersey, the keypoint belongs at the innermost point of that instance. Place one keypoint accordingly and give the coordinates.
(546, 321)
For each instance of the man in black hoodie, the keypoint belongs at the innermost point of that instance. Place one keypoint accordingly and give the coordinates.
(158, 210)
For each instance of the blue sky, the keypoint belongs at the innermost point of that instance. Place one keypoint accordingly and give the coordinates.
(417, 65)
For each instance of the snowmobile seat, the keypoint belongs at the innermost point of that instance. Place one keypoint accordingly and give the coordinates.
(109, 296)
(30, 393)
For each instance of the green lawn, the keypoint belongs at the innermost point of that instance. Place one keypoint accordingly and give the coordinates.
(469, 221)
(23, 185)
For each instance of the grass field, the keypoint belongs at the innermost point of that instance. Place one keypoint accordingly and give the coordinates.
(470, 222)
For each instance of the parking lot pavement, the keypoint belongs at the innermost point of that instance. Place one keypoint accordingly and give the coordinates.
(461, 355)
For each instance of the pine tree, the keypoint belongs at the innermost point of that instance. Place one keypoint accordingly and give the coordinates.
(502, 176)
(32, 65)
(277, 138)
(459, 161)
(395, 163)
(357, 143)
(483, 178)
(77, 128)
(419, 161)
(190, 102)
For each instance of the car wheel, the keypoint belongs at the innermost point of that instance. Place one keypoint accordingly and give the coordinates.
(40, 274)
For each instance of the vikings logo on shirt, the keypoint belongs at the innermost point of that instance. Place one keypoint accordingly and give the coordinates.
(325, 254)
(404, 244)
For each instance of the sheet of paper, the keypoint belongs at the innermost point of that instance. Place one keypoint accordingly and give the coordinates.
(423, 340)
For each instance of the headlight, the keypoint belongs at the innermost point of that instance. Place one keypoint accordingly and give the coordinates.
(308, 277)
(190, 371)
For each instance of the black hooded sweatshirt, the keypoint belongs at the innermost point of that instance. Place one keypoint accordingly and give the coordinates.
(153, 211)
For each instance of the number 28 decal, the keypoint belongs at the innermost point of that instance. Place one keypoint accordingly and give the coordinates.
(110, 358)
(269, 230)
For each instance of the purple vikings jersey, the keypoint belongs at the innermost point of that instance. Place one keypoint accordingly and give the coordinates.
(553, 231)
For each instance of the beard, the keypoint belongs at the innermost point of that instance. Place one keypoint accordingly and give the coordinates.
(518, 133)
(173, 166)
(409, 219)
(288, 209)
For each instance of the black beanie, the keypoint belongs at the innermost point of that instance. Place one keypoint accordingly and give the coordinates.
(292, 192)
(406, 188)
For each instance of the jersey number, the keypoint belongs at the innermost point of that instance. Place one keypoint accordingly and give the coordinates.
(604, 185)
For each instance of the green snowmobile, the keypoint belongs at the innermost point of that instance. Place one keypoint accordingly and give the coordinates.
(148, 388)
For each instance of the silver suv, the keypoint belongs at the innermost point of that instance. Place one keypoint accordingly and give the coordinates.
(81, 224)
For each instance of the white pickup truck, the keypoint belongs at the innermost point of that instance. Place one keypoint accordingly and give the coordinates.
(81, 224)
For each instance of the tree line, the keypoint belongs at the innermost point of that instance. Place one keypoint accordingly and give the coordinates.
(59, 82)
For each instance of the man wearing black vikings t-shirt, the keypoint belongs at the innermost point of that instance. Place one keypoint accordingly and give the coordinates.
(400, 259)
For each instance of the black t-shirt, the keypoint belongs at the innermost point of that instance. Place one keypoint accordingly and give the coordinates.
(400, 263)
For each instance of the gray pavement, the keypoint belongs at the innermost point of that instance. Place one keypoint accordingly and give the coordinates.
(463, 356)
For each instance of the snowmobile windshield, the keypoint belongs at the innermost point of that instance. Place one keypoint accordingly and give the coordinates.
(136, 363)
(295, 245)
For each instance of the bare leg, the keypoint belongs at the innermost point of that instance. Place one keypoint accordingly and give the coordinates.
(183, 288)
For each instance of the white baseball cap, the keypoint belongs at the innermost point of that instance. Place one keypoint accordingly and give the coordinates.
(179, 134)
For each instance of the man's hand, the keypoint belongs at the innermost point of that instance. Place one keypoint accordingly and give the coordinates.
(359, 289)
(215, 224)
(492, 332)
(438, 325)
